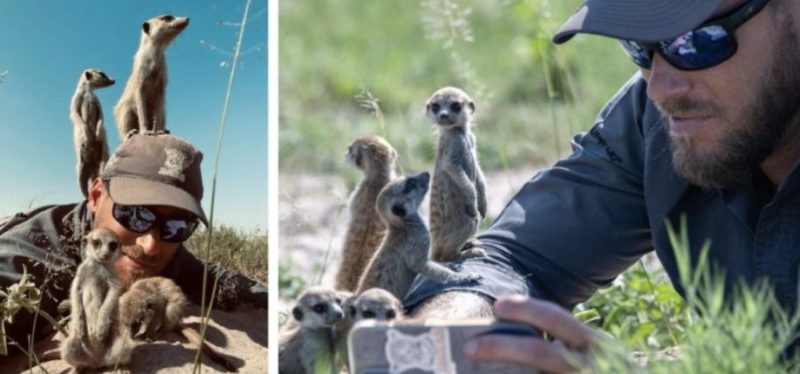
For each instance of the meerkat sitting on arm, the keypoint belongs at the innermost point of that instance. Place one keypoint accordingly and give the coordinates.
(375, 157)
(458, 195)
(405, 251)
(89, 134)
(155, 306)
(307, 347)
(97, 338)
(141, 105)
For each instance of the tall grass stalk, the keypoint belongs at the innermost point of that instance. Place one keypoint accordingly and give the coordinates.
(206, 310)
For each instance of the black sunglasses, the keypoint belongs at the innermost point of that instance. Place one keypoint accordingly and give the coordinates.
(141, 219)
(708, 45)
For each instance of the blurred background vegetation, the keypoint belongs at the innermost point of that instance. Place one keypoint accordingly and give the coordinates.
(531, 95)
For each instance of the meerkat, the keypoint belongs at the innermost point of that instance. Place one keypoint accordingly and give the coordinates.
(307, 347)
(97, 338)
(89, 134)
(458, 194)
(375, 157)
(155, 306)
(405, 252)
(374, 303)
(141, 105)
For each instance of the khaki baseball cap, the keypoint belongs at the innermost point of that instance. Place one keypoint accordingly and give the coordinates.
(640, 20)
(156, 168)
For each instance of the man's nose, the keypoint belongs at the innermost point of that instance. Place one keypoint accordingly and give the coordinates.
(150, 242)
(664, 81)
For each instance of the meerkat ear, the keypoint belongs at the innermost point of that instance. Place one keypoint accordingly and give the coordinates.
(88, 75)
(399, 211)
(146, 28)
(297, 313)
(471, 107)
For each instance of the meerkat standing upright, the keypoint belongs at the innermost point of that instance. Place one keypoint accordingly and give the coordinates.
(375, 157)
(405, 251)
(97, 338)
(155, 306)
(458, 195)
(141, 105)
(89, 134)
(308, 346)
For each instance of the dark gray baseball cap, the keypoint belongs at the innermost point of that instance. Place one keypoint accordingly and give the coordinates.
(641, 20)
(156, 169)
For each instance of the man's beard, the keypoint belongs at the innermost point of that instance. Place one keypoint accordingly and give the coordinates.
(750, 140)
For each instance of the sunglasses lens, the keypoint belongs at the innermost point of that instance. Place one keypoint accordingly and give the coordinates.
(135, 218)
(178, 230)
(699, 49)
(637, 52)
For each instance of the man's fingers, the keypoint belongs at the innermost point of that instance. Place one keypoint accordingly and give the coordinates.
(533, 352)
(546, 316)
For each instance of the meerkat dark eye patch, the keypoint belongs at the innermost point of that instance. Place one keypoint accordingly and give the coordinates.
(167, 18)
(113, 246)
(320, 308)
(390, 314)
(297, 313)
(96, 243)
(399, 211)
(455, 107)
(435, 107)
(88, 75)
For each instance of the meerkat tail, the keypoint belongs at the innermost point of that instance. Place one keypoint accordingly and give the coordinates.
(194, 339)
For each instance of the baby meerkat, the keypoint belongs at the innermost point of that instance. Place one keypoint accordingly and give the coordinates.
(307, 347)
(141, 105)
(156, 306)
(458, 195)
(376, 303)
(406, 250)
(89, 134)
(97, 338)
(375, 157)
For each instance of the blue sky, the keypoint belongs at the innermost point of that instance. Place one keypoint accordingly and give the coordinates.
(45, 47)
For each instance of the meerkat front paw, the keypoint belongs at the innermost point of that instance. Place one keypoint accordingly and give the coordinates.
(454, 266)
(472, 248)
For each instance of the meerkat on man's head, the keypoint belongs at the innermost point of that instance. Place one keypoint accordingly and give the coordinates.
(141, 105)
(88, 131)
(458, 195)
(307, 347)
(97, 338)
(376, 158)
(405, 251)
(155, 306)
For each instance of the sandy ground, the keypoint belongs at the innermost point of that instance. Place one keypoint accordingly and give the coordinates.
(313, 218)
(241, 335)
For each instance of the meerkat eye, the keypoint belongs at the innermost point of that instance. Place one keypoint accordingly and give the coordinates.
(455, 107)
(390, 314)
(95, 243)
(113, 246)
(320, 308)
(369, 314)
(167, 18)
(411, 184)
(435, 107)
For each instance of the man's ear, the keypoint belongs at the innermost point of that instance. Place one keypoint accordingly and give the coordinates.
(95, 192)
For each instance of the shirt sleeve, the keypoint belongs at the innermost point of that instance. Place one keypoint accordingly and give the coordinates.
(574, 227)
(233, 290)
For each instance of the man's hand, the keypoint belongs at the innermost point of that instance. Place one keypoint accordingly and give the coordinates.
(564, 355)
